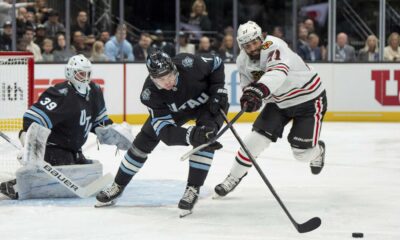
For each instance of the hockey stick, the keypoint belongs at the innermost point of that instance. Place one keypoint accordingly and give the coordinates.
(220, 133)
(82, 192)
(308, 226)
(11, 141)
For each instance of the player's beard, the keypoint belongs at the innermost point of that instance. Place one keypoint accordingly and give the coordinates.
(254, 55)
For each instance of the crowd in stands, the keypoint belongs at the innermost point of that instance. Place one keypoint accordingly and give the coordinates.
(40, 31)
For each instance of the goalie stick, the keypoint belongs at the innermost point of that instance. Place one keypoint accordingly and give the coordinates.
(220, 133)
(11, 141)
(308, 226)
(37, 156)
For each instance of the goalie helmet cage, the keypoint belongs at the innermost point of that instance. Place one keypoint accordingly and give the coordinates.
(16, 95)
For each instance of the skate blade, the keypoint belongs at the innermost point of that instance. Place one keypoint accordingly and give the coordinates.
(216, 196)
(106, 204)
(185, 213)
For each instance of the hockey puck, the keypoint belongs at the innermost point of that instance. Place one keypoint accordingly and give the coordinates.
(357, 235)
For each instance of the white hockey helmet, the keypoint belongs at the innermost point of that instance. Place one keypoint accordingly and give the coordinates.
(248, 32)
(78, 71)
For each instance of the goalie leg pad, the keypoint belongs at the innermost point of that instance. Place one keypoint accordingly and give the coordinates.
(34, 183)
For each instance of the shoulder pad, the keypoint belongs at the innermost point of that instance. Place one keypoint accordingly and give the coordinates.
(270, 43)
(60, 89)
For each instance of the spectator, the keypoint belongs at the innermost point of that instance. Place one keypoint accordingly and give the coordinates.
(21, 21)
(104, 36)
(302, 36)
(311, 51)
(199, 16)
(53, 26)
(392, 51)
(229, 30)
(5, 8)
(31, 46)
(78, 41)
(31, 19)
(344, 52)
(22, 45)
(184, 45)
(82, 24)
(6, 37)
(98, 52)
(278, 32)
(40, 34)
(143, 47)
(160, 43)
(370, 53)
(47, 50)
(204, 46)
(309, 25)
(226, 50)
(42, 11)
(61, 53)
(118, 48)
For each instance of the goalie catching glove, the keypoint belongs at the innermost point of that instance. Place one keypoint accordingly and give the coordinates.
(116, 134)
(199, 135)
(252, 97)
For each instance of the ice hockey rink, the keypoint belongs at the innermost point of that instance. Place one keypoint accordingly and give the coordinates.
(357, 191)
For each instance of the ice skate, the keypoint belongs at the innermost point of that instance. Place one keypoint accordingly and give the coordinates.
(108, 197)
(188, 200)
(7, 189)
(227, 186)
(316, 165)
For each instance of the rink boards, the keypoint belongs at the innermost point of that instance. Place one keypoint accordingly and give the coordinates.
(356, 92)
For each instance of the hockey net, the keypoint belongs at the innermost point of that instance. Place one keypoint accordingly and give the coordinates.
(16, 95)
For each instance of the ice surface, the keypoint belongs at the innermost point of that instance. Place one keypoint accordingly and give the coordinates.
(357, 191)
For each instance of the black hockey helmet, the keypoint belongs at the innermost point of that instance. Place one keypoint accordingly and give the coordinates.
(159, 64)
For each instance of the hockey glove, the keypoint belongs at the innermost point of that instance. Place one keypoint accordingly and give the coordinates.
(199, 135)
(252, 97)
(115, 134)
(218, 100)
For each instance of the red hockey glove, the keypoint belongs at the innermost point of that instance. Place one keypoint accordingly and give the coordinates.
(252, 97)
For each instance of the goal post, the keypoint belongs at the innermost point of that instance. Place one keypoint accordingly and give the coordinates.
(16, 96)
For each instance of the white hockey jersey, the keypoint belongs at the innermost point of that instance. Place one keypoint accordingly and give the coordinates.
(290, 80)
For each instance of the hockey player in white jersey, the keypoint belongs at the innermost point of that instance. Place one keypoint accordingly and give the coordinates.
(271, 72)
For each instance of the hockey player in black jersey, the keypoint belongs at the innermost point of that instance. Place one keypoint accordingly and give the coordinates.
(177, 90)
(71, 110)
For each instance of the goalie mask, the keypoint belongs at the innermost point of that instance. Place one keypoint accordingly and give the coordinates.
(78, 71)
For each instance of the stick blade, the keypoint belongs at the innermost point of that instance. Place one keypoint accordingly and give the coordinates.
(310, 225)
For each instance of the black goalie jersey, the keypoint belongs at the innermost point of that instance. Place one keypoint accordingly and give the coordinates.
(199, 77)
(69, 115)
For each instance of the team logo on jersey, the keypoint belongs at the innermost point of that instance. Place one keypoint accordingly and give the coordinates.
(187, 62)
(266, 45)
(146, 94)
(256, 75)
(63, 91)
(84, 120)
